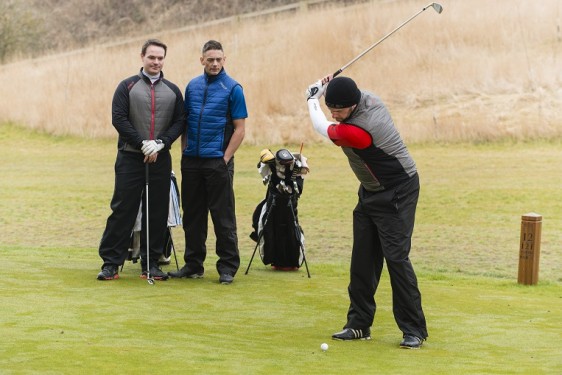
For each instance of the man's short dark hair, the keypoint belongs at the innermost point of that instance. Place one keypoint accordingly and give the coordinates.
(212, 45)
(153, 42)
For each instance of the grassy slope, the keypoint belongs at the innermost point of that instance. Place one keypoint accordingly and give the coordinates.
(479, 71)
(57, 317)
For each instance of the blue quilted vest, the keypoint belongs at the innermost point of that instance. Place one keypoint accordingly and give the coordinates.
(209, 125)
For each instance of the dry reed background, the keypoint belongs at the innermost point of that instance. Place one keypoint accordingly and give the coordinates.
(481, 70)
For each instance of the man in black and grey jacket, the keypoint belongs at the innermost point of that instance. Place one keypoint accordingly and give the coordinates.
(148, 114)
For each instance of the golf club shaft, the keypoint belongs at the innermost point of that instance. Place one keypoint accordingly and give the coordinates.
(147, 176)
(438, 8)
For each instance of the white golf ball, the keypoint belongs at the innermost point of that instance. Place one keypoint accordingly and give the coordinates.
(324, 347)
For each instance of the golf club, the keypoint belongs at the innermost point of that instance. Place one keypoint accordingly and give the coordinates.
(148, 278)
(437, 7)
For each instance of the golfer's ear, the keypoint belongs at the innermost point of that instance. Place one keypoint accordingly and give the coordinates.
(202, 59)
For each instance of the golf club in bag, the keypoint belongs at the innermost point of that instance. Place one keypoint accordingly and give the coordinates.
(277, 232)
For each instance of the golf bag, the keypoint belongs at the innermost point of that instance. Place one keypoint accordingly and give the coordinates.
(277, 232)
(174, 220)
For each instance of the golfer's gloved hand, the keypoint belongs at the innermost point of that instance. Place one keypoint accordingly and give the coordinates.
(150, 147)
(315, 91)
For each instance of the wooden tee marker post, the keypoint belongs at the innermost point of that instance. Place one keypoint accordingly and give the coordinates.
(529, 249)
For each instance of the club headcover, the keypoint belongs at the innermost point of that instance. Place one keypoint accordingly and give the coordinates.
(284, 157)
(266, 155)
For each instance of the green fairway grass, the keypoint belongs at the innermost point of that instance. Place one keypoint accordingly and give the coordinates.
(56, 318)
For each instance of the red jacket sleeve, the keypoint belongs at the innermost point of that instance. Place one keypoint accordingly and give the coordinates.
(346, 135)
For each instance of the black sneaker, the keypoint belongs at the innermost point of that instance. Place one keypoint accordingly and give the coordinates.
(108, 272)
(155, 273)
(352, 334)
(226, 278)
(187, 273)
(411, 342)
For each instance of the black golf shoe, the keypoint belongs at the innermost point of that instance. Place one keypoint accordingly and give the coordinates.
(108, 272)
(411, 342)
(226, 278)
(155, 273)
(186, 272)
(352, 334)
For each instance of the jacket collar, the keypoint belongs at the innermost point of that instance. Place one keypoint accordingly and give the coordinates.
(210, 78)
(147, 80)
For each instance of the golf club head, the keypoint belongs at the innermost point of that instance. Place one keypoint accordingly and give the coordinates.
(150, 281)
(438, 8)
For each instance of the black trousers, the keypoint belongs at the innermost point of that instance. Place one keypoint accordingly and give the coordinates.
(130, 184)
(207, 186)
(383, 223)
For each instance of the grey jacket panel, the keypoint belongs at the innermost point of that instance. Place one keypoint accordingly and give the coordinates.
(386, 162)
(140, 107)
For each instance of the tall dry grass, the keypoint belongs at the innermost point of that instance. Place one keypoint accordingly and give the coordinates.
(481, 70)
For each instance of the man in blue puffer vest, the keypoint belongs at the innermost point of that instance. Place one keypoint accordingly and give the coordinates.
(216, 113)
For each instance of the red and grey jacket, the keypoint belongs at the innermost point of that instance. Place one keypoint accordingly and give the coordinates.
(376, 153)
(145, 110)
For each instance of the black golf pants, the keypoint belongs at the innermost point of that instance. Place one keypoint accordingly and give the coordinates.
(130, 186)
(207, 186)
(383, 223)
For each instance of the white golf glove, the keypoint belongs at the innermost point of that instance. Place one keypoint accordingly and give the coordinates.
(151, 147)
(315, 91)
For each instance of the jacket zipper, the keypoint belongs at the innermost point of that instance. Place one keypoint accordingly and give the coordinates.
(152, 110)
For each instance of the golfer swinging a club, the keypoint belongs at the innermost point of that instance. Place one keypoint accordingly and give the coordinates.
(383, 220)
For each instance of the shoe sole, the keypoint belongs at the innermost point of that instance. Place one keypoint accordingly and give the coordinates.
(415, 346)
(354, 339)
(154, 278)
(108, 278)
(402, 346)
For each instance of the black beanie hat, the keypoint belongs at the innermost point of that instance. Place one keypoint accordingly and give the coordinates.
(342, 92)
